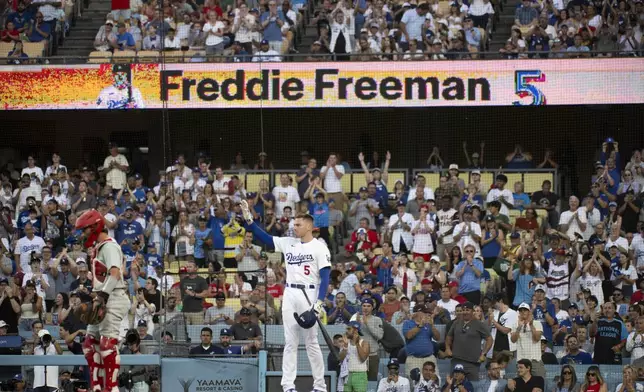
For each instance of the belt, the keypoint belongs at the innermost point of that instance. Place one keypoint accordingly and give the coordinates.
(300, 286)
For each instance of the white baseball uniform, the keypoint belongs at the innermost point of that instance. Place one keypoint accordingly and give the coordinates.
(303, 264)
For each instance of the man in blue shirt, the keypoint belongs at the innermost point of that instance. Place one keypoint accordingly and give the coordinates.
(272, 22)
(215, 224)
(575, 354)
(342, 312)
(418, 333)
(225, 338)
(22, 18)
(140, 191)
(544, 311)
(30, 215)
(320, 212)
(203, 240)
(125, 41)
(206, 347)
(128, 228)
(39, 29)
(469, 273)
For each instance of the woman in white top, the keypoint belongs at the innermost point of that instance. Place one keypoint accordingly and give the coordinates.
(423, 228)
(156, 232)
(56, 193)
(592, 277)
(413, 53)
(184, 237)
(135, 29)
(625, 276)
(214, 30)
(480, 12)
(243, 28)
(399, 271)
(340, 34)
(142, 310)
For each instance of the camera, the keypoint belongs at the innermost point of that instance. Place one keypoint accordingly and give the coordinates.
(45, 339)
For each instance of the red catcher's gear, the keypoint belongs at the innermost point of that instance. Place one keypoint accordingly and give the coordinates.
(93, 219)
(111, 363)
(91, 350)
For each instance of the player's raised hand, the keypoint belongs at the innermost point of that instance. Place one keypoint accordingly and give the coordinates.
(248, 217)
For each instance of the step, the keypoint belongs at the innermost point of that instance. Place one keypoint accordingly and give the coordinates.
(84, 35)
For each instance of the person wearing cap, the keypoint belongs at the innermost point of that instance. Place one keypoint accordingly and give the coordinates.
(365, 208)
(266, 54)
(357, 349)
(225, 338)
(400, 225)
(419, 333)
(372, 330)
(543, 310)
(458, 381)
(46, 377)
(25, 246)
(411, 25)
(305, 176)
(499, 193)
(547, 200)
(547, 356)
(526, 333)
(394, 381)
(463, 342)
(244, 329)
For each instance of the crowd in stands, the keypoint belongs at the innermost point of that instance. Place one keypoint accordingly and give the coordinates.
(505, 275)
(556, 29)
(35, 21)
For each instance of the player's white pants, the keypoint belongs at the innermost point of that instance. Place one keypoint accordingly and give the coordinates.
(294, 301)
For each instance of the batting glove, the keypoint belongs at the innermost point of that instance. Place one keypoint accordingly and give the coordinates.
(318, 307)
(248, 217)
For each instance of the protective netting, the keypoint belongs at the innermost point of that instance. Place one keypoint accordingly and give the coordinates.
(528, 146)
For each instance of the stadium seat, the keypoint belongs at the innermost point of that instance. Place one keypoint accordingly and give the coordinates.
(98, 57)
(5, 48)
(432, 179)
(124, 56)
(512, 178)
(252, 181)
(443, 8)
(357, 180)
(532, 181)
(34, 49)
(146, 56)
(393, 177)
(346, 182)
(189, 54)
(487, 178)
(173, 56)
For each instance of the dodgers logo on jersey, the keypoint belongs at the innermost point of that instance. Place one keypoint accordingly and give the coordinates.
(298, 259)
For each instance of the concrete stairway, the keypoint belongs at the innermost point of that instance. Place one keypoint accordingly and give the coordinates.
(80, 41)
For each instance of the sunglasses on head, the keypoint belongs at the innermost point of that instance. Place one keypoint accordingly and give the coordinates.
(469, 251)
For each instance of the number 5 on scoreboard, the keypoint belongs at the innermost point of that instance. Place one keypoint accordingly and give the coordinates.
(307, 269)
(523, 87)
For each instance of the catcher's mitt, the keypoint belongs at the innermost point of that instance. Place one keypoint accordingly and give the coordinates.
(93, 313)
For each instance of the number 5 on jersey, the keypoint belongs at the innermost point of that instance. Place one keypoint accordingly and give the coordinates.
(307, 269)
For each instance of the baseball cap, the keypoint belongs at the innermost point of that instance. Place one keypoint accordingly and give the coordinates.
(544, 339)
(17, 377)
(142, 323)
(226, 332)
(129, 207)
(490, 218)
(359, 267)
(393, 362)
(524, 306)
(263, 255)
(362, 189)
(437, 42)
(458, 368)
(245, 311)
(515, 235)
(43, 332)
(611, 204)
(400, 203)
(596, 241)
(220, 295)
(3, 324)
(540, 287)
(356, 325)
(453, 284)
(468, 305)
(453, 166)
(367, 301)
(264, 42)
(435, 259)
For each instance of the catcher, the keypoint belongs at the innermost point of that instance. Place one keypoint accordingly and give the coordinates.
(109, 306)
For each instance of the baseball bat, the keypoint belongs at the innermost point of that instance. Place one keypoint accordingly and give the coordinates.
(325, 334)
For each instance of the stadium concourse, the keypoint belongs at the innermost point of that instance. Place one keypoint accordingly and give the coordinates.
(361, 30)
(463, 272)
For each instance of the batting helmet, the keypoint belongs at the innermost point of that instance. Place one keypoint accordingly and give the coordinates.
(94, 219)
(306, 319)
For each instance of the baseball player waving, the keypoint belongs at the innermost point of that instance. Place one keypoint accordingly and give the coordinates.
(308, 266)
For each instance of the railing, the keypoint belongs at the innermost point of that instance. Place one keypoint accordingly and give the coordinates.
(179, 57)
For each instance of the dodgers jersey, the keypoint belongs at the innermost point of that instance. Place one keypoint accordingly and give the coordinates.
(115, 98)
(303, 260)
